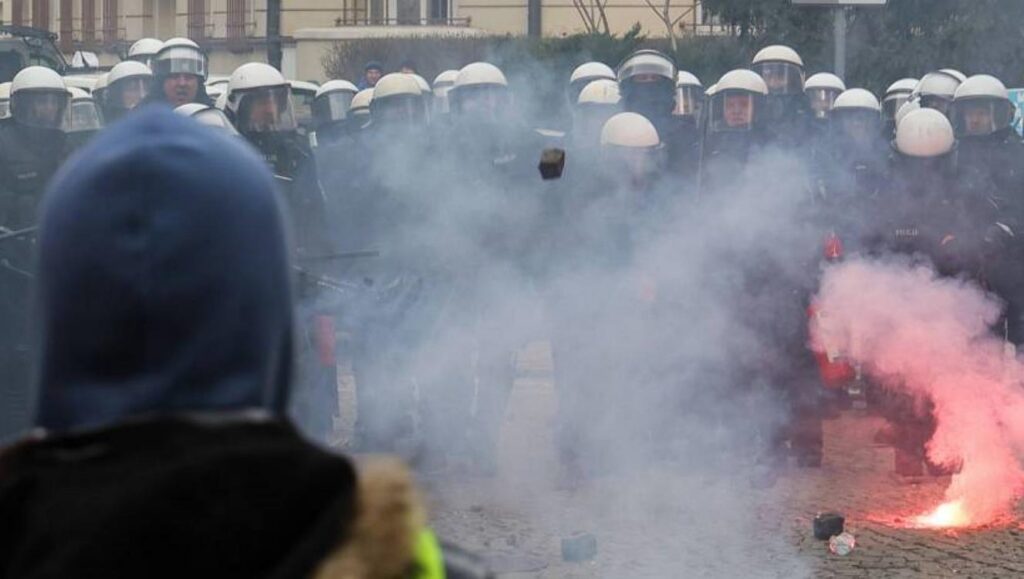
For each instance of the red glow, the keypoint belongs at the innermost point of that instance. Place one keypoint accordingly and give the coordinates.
(946, 516)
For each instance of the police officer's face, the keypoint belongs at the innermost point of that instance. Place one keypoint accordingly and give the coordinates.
(132, 93)
(263, 112)
(181, 89)
(739, 110)
(978, 119)
(46, 109)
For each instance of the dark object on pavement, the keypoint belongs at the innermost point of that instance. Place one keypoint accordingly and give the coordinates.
(579, 547)
(828, 525)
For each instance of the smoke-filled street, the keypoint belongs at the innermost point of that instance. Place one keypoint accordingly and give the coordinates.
(664, 520)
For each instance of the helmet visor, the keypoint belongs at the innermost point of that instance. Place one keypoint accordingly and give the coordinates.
(689, 100)
(937, 102)
(480, 101)
(860, 126)
(893, 103)
(821, 100)
(399, 109)
(980, 116)
(180, 60)
(783, 78)
(42, 109)
(127, 93)
(5, 109)
(642, 66)
(82, 115)
(331, 107)
(733, 110)
(266, 110)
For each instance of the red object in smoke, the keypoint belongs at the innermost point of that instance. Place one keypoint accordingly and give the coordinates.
(835, 372)
(833, 247)
(324, 339)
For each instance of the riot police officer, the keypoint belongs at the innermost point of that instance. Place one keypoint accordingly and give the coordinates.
(895, 97)
(689, 98)
(734, 131)
(82, 120)
(31, 150)
(128, 86)
(647, 81)
(179, 73)
(597, 102)
(990, 163)
(144, 49)
(259, 104)
(786, 116)
(443, 83)
(852, 170)
(583, 75)
(821, 90)
(935, 90)
(209, 116)
(331, 108)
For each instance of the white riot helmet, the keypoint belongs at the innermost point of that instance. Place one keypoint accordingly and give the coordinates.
(584, 74)
(896, 95)
(480, 90)
(907, 108)
(397, 99)
(935, 90)
(821, 90)
(361, 103)
(925, 134)
(442, 84)
(333, 101)
(954, 73)
(144, 49)
(631, 131)
(597, 102)
(647, 80)
(180, 56)
(39, 98)
(738, 102)
(630, 148)
(83, 114)
(426, 94)
(689, 94)
(781, 68)
(259, 100)
(857, 115)
(127, 86)
(981, 107)
(209, 116)
(600, 92)
(5, 100)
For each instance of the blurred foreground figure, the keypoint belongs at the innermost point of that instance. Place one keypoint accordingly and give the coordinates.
(31, 150)
(165, 451)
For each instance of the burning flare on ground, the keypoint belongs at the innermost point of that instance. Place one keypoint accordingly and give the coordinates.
(932, 338)
(947, 515)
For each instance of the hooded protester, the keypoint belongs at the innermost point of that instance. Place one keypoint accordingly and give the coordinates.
(371, 74)
(163, 397)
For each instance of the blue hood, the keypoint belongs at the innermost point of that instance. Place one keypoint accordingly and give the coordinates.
(164, 278)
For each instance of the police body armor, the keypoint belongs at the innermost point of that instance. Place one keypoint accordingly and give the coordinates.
(28, 158)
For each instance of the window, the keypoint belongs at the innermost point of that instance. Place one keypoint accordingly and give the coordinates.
(41, 14)
(110, 21)
(88, 21)
(196, 19)
(236, 19)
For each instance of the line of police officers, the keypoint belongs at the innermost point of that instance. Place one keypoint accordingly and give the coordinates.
(933, 169)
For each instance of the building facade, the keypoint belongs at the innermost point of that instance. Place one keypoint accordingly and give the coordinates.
(234, 31)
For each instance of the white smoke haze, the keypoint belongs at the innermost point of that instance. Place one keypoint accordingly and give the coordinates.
(676, 386)
(937, 339)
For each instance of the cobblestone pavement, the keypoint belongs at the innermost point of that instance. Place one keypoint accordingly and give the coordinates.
(667, 521)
